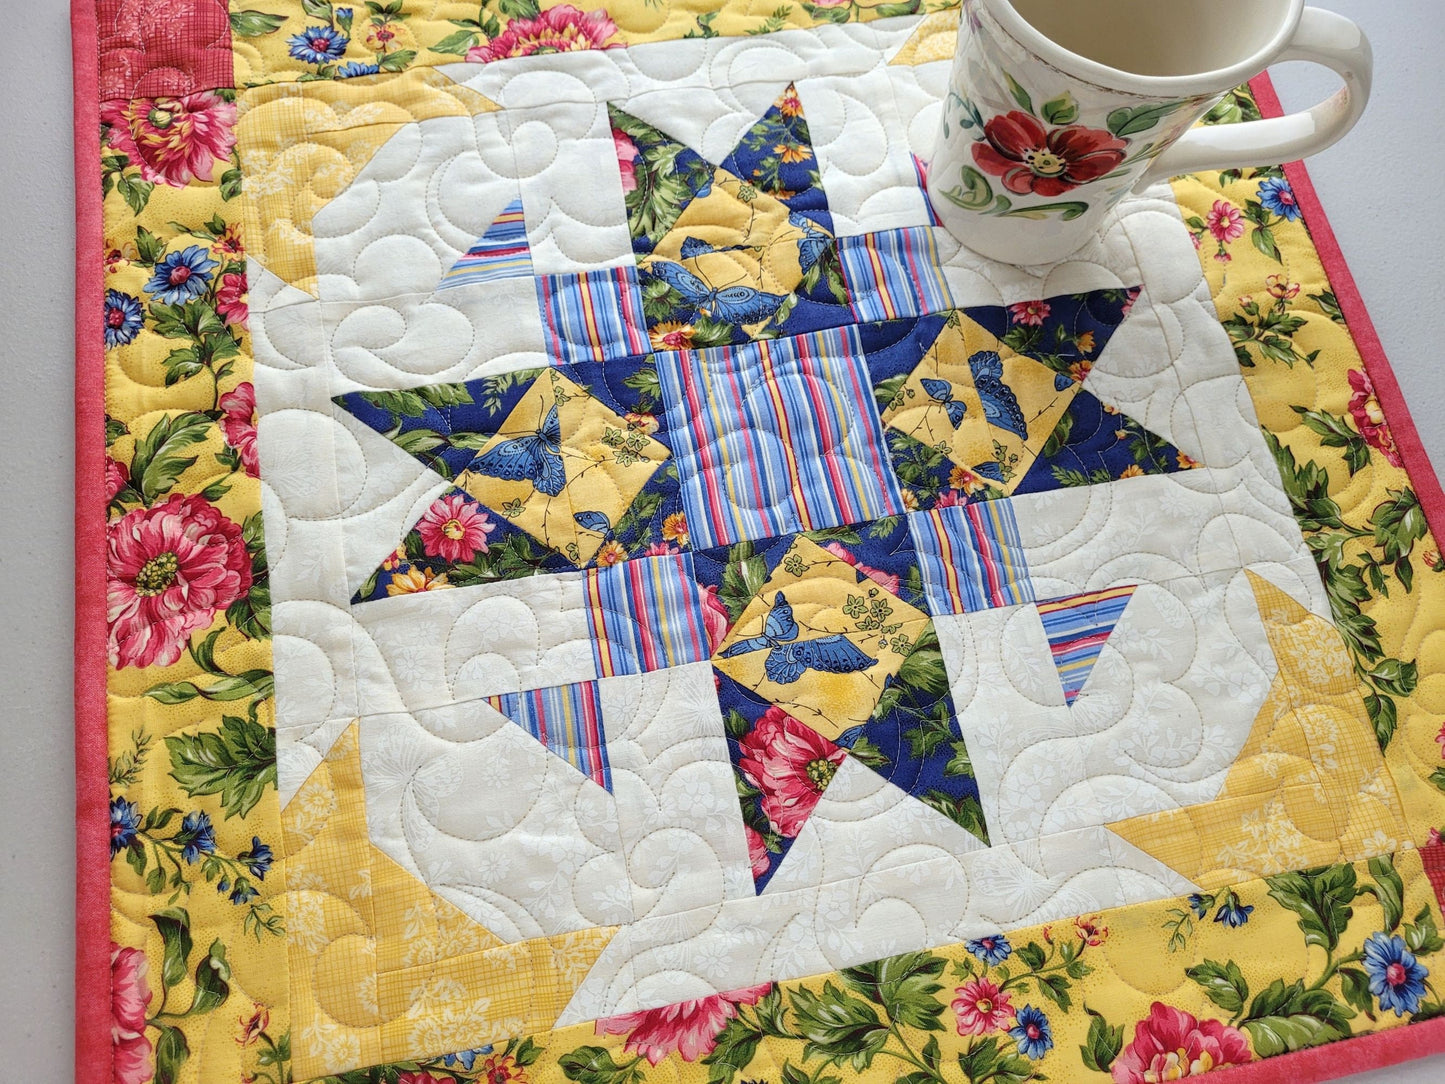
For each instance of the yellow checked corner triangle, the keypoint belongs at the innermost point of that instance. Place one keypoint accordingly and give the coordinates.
(382, 969)
(1309, 788)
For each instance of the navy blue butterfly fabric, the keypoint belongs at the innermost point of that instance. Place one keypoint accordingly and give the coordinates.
(787, 661)
(1000, 405)
(535, 458)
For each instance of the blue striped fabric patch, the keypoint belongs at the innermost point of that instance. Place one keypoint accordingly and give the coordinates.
(894, 273)
(500, 253)
(971, 557)
(776, 436)
(646, 614)
(567, 719)
(593, 316)
(1077, 627)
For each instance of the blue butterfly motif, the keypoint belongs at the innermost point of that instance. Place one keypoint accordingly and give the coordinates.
(787, 661)
(989, 470)
(940, 391)
(535, 458)
(593, 521)
(695, 246)
(814, 243)
(731, 304)
(1062, 381)
(1000, 405)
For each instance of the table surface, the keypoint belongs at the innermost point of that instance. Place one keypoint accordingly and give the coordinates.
(1371, 184)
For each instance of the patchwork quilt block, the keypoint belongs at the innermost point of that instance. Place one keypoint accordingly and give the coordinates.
(582, 579)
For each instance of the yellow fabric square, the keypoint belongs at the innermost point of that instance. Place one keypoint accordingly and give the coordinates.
(827, 597)
(917, 412)
(755, 244)
(605, 463)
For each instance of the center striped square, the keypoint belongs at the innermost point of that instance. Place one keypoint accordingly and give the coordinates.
(776, 436)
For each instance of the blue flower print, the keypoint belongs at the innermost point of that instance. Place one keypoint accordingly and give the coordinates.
(352, 68)
(466, 1058)
(1200, 904)
(258, 858)
(196, 836)
(992, 950)
(124, 823)
(123, 318)
(1232, 913)
(1278, 197)
(1031, 1031)
(1396, 977)
(318, 44)
(181, 276)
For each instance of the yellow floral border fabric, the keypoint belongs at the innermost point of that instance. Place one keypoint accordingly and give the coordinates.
(204, 900)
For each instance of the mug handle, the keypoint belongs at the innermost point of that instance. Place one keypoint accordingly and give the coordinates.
(1322, 37)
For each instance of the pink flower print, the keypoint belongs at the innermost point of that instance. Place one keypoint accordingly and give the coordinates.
(170, 568)
(132, 1059)
(886, 580)
(231, 298)
(1171, 1045)
(981, 1008)
(173, 140)
(238, 423)
(1370, 418)
(791, 764)
(626, 159)
(1225, 221)
(560, 29)
(757, 851)
(454, 529)
(1032, 313)
(689, 1028)
(715, 620)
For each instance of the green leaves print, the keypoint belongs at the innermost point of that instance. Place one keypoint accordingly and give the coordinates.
(1355, 564)
(1287, 1016)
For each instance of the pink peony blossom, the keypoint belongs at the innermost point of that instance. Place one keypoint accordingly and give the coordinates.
(170, 568)
(562, 29)
(689, 1028)
(117, 477)
(231, 298)
(947, 499)
(661, 549)
(1370, 418)
(132, 1061)
(416, 1076)
(1225, 222)
(714, 617)
(886, 580)
(626, 159)
(757, 851)
(981, 1008)
(173, 140)
(791, 764)
(1171, 1045)
(238, 423)
(454, 529)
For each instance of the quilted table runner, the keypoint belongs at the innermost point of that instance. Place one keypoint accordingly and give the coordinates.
(581, 580)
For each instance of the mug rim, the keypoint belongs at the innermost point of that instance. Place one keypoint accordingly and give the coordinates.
(1200, 84)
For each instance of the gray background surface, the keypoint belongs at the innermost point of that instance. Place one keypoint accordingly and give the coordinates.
(1381, 186)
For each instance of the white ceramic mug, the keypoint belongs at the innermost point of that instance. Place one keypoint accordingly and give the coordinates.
(1058, 108)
